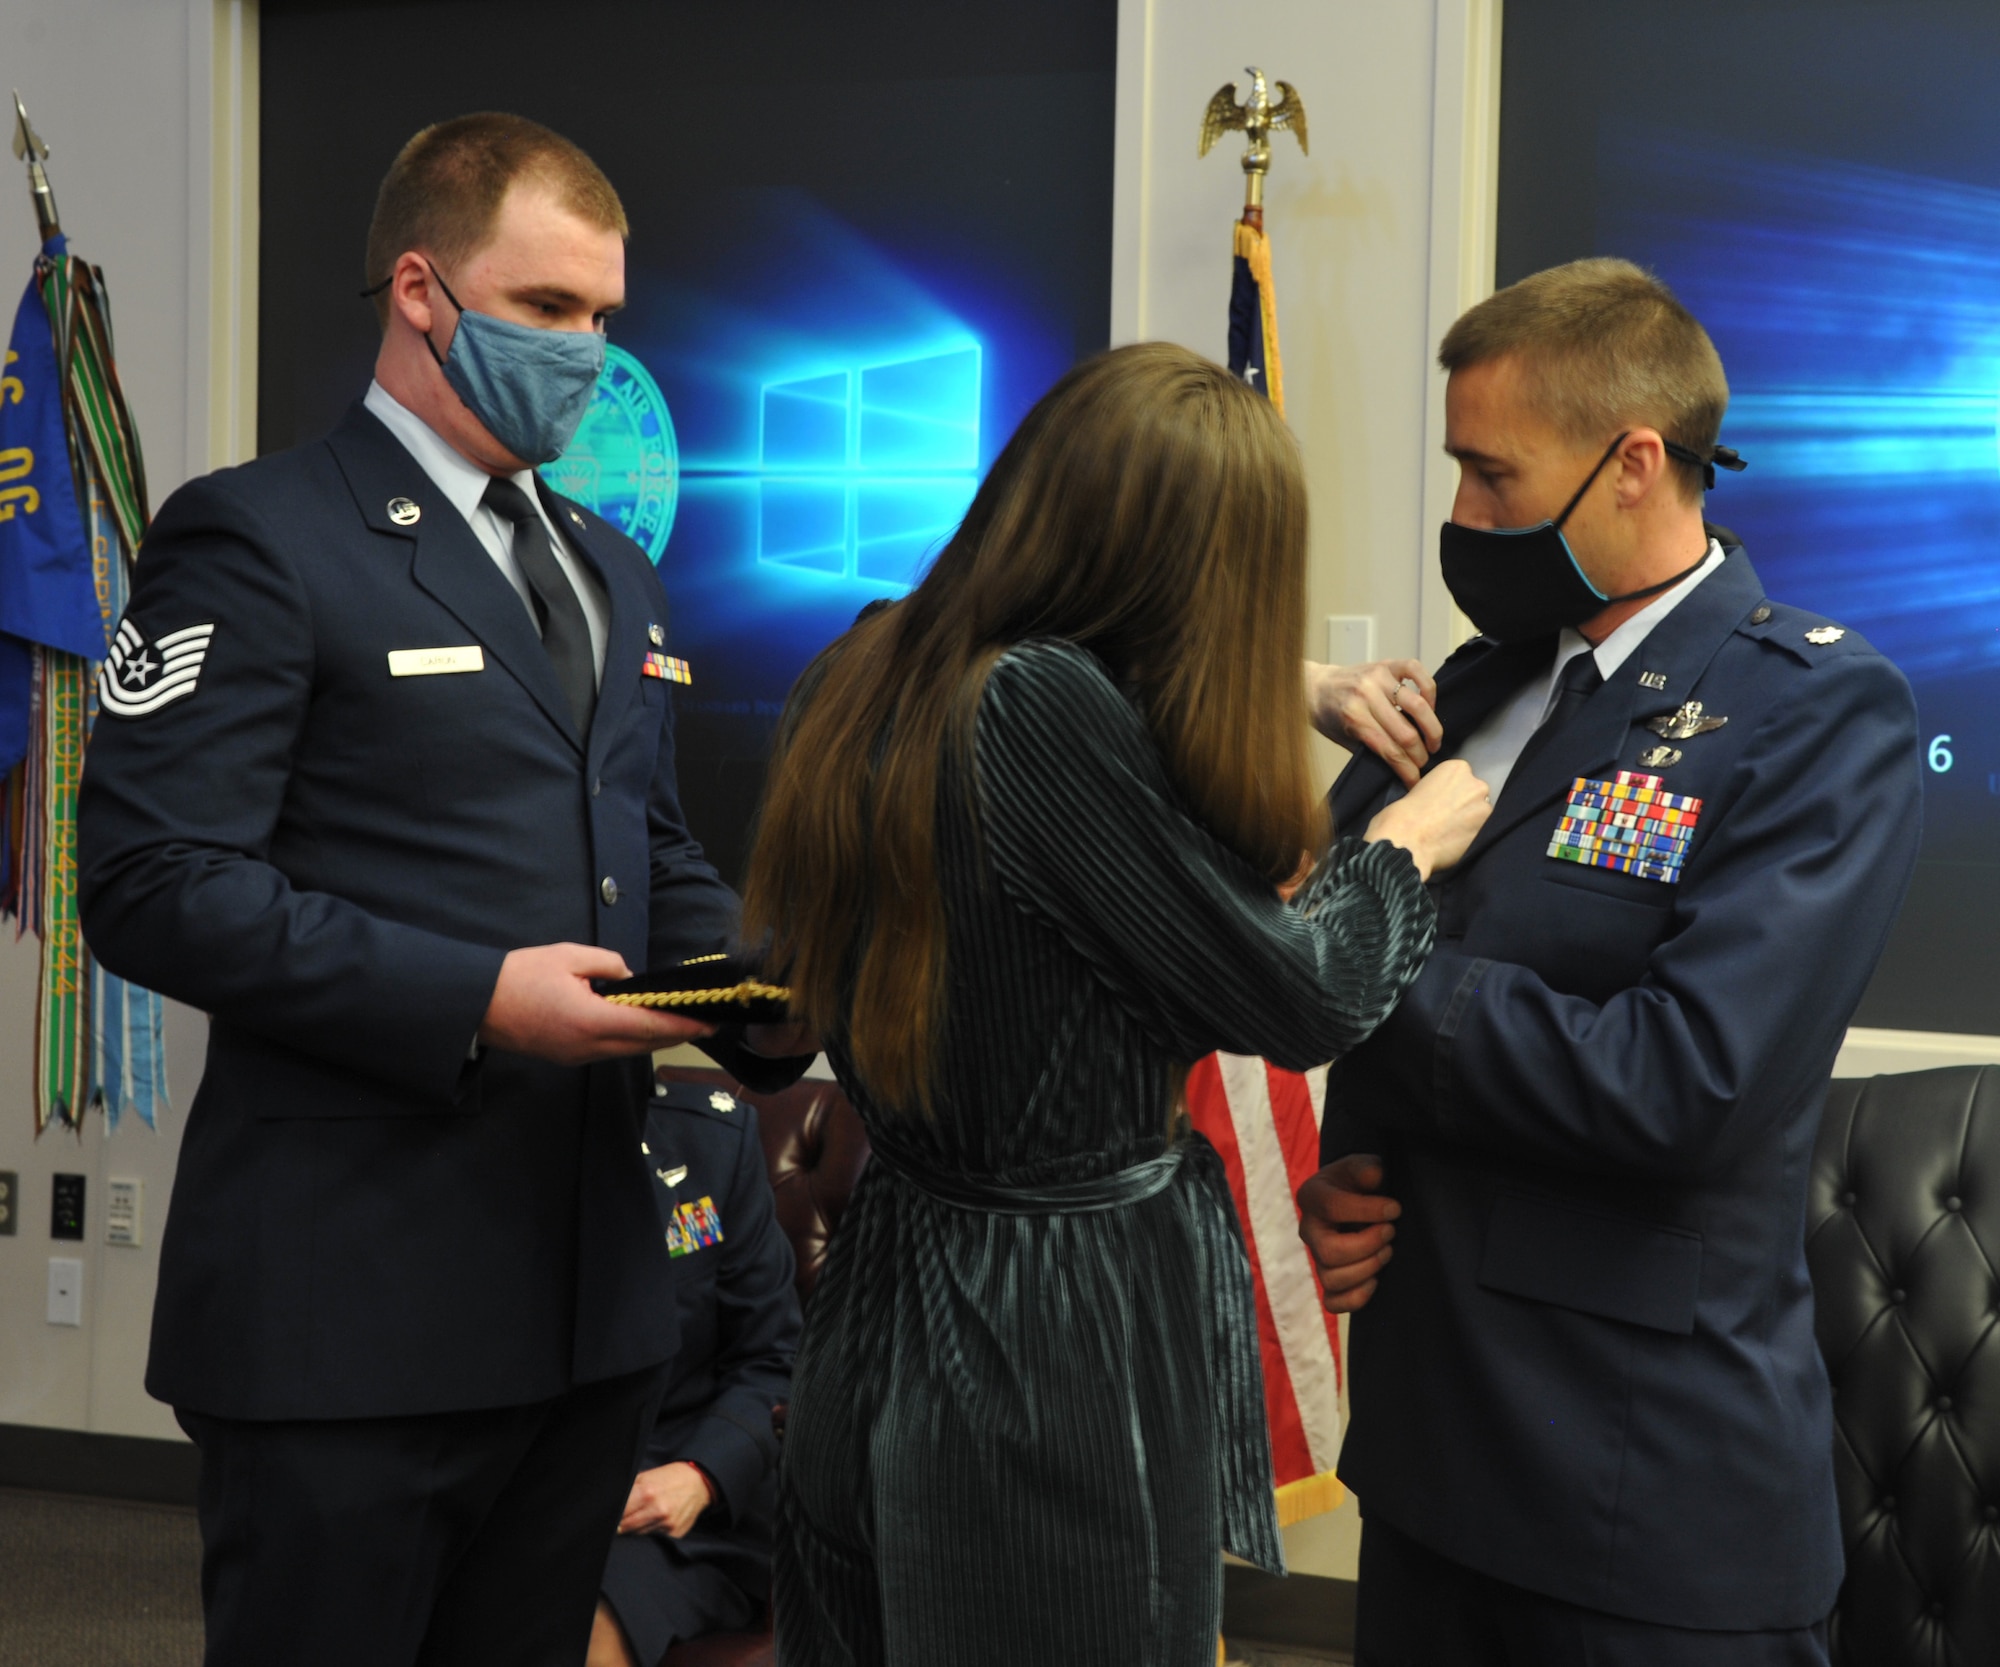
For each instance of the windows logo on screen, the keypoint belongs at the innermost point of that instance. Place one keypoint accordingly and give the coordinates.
(864, 473)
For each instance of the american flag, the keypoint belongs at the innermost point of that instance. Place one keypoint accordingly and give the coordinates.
(1265, 1124)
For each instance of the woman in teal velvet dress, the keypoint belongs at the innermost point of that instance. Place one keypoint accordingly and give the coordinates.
(1022, 858)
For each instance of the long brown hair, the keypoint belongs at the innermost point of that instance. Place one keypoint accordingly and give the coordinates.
(1150, 509)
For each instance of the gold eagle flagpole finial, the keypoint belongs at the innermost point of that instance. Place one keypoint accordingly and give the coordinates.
(28, 147)
(1256, 118)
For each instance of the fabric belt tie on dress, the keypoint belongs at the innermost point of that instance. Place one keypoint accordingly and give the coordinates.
(1056, 1198)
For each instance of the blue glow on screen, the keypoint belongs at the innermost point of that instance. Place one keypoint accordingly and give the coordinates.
(865, 471)
(835, 404)
(1857, 311)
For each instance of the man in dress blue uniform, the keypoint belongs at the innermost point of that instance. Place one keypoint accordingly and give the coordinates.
(693, 1552)
(1589, 1420)
(382, 783)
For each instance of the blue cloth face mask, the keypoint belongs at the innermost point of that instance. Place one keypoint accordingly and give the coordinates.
(529, 387)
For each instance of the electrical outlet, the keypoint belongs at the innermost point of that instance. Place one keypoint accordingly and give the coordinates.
(65, 1291)
(1350, 639)
(66, 1207)
(123, 1196)
(10, 1203)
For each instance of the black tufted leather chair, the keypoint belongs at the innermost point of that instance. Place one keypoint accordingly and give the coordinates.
(1903, 1239)
(815, 1149)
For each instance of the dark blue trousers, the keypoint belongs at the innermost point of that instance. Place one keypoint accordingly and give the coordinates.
(463, 1539)
(1417, 1609)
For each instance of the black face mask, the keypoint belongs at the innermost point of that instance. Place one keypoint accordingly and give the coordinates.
(1517, 583)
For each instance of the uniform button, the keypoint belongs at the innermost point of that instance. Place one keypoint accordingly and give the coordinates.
(1954, 1205)
(1888, 1501)
(1899, 1296)
(1847, 1200)
(1760, 614)
(1991, 1513)
(1944, 1403)
(608, 890)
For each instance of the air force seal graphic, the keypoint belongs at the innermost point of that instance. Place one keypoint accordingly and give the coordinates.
(140, 677)
(624, 462)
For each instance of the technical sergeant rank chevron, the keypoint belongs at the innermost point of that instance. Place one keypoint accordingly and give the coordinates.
(139, 678)
(1630, 824)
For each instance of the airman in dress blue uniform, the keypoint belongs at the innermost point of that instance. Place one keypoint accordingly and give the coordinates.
(694, 1549)
(381, 783)
(1590, 1423)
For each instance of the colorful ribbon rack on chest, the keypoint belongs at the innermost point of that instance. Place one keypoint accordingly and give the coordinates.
(1630, 824)
(694, 1227)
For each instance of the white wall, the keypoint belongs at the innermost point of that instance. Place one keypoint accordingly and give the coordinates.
(120, 90)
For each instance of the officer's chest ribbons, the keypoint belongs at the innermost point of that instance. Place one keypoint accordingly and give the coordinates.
(1629, 823)
(694, 1226)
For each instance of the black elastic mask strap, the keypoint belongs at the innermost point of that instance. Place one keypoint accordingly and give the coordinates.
(1590, 479)
(1664, 584)
(374, 290)
(1719, 457)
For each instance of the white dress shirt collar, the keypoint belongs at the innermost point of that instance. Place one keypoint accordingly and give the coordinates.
(455, 475)
(1617, 648)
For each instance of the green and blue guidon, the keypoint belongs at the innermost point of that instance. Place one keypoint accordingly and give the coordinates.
(624, 462)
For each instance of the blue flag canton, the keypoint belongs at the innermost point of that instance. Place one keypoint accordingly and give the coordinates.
(1246, 330)
(48, 590)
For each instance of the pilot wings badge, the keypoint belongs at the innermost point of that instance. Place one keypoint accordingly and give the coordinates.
(1690, 720)
(141, 677)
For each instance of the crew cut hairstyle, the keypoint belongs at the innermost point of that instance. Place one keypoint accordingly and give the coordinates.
(1604, 345)
(1151, 509)
(444, 190)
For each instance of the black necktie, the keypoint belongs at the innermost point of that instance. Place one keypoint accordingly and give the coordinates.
(565, 632)
(1580, 680)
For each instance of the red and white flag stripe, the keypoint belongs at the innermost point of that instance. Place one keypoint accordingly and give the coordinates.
(1265, 1123)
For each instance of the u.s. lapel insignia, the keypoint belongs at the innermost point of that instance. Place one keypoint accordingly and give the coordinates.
(693, 1227)
(1689, 720)
(673, 1177)
(1660, 758)
(1655, 680)
(1630, 824)
(1820, 635)
(139, 678)
(656, 636)
(578, 519)
(404, 512)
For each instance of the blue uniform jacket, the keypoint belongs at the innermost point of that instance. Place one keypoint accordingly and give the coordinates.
(332, 862)
(1590, 1368)
(739, 1316)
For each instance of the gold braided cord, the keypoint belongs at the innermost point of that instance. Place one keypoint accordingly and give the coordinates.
(746, 991)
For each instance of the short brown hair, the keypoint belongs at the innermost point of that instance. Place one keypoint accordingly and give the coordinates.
(444, 190)
(1151, 508)
(1604, 345)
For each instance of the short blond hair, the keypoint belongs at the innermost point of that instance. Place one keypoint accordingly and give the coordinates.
(1604, 345)
(443, 192)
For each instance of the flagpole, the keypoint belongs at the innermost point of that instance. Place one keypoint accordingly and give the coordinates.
(98, 1040)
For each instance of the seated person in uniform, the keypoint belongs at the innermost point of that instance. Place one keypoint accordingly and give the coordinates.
(693, 1552)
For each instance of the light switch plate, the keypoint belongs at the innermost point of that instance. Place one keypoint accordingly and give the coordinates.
(1350, 639)
(124, 1197)
(10, 1203)
(65, 1291)
(66, 1207)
